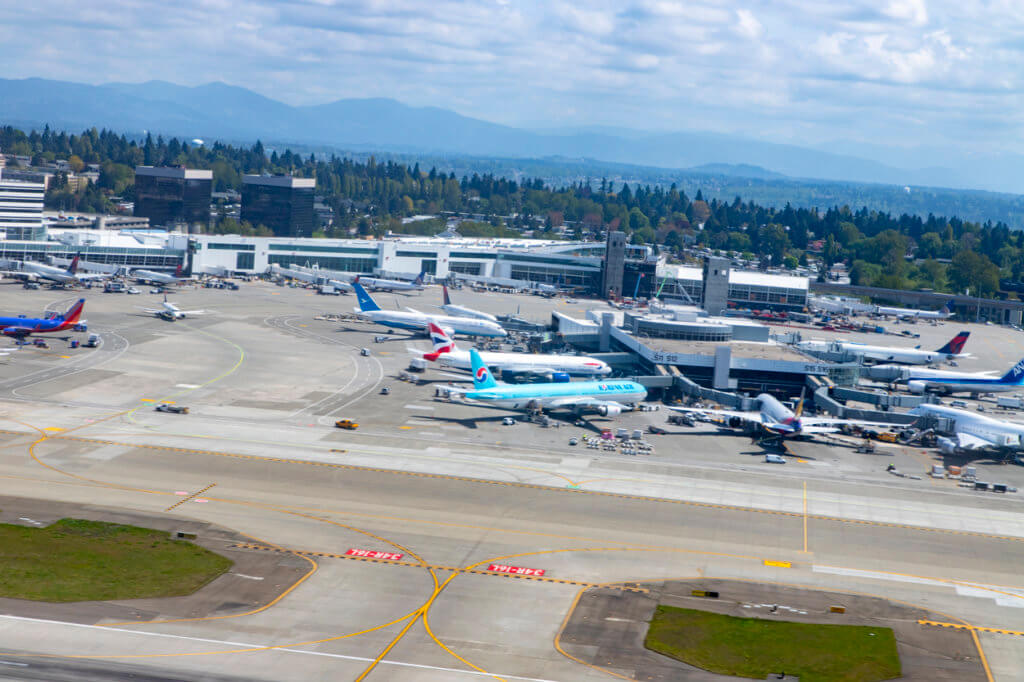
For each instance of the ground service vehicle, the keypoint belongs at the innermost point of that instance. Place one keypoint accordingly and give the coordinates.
(346, 424)
(173, 409)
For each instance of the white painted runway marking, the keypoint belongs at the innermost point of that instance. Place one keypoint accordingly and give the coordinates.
(419, 407)
(220, 642)
(248, 577)
(186, 385)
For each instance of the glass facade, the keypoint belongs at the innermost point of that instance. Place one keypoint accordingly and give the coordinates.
(169, 200)
(245, 260)
(417, 254)
(340, 263)
(230, 247)
(564, 276)
(464, 268)
(287, 211)
(110, 255)
(364, 250)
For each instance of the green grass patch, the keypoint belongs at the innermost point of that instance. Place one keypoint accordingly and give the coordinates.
(76, 560)
(751, 647)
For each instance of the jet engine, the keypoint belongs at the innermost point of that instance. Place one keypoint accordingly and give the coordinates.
(609, 410)
(917, 386)
(736, 422)
(947, 446)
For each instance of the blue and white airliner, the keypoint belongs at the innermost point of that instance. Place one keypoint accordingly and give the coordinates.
(608, 398)
(416, 321)
(948, 383)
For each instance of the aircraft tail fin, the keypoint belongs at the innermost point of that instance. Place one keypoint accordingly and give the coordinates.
(440, 339)
(481, 374)
(956, 344)
(73, 268)
(419, 278)
(366, 302)
(947, 309)
(177, 270)
(447, 298)
(1015, 375)
(73, 313)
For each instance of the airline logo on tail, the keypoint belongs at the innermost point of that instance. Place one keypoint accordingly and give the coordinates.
(956, 346)
(419, 278)
(73, 268)
(366, 303)
(447, 300)
(441, 341)
(1016, 373)
(481, 375)
(74, 312)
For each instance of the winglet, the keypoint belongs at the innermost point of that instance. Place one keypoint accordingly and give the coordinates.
(481, 375)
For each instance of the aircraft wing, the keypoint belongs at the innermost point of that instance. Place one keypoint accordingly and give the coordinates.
(747, 416)
(807, 423)
(586, 401)
(91, 276)
(192, 312)
(967, 441)
(152, 311)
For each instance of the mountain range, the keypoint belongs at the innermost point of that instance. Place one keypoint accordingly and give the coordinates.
(232, 113)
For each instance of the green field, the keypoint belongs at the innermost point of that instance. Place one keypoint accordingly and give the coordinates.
(76, 560)
(751, 647)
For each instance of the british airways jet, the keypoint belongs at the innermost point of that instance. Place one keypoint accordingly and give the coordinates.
(21, 327)
(608, 398)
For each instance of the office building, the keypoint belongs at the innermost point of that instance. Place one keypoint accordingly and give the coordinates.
(173, 196)
(21, 209)
(280, 202)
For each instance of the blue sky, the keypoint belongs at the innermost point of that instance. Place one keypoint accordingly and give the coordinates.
(878, 78)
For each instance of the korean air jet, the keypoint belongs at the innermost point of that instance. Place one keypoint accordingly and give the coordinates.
(21, 327)
(547, 366)
(417, 321)
(608, 398)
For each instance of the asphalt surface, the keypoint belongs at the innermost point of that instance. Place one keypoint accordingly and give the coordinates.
(450, 489)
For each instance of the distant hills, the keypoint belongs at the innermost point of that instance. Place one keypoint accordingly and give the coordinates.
(217, 110)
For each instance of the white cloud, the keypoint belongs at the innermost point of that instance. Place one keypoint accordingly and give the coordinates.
(912, 11)
(748, 25)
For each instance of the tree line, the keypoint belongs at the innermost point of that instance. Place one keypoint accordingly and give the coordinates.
(370, 198)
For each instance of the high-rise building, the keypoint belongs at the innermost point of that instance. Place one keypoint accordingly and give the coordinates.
(172, 196)
(21, 210)
(280, 202)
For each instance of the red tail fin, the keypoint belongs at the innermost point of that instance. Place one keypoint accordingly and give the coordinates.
(447, 301)
(73, 313)
(177, 271)
(956, 345)
(73, 268)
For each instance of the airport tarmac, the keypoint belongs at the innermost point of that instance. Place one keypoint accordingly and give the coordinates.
(449, 488)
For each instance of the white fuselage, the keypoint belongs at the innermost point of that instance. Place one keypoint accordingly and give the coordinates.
(462, 311)
(573, 365)
(999, 433)
(553, 395)
(377, 284)
(864, 352)
(910, 312)
(310, 276)
(418, 321)
(48, 272)
(155, 277)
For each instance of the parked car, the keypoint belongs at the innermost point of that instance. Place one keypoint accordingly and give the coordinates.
(174, 409)
(508, 421)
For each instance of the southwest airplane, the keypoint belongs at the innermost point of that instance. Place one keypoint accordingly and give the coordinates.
(607, 398)
(20, 327)
(905, 356)
(32, 271)
(171, 312)
(418, 321)
(778, 420)
(462, 311)
(973, 431)
(447, 355)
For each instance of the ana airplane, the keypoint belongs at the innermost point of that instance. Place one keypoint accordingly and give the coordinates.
(171, 312)
(32, 271)
(21, 327)
(906, 356)
(446, 354)
(972, 431)
(777, 420)
(154, 277)
(607, 398)
(378, 284)
(417, 321)
(920, 380)
(462, 311)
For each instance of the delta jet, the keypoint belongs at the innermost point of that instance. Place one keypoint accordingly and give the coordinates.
(906, 356)
(21, 327)
(944, 313)
(462, 311)
(417, 321)
(608, 398)
(32, 271)
(777, 420)
(548, 367)
(171, 312)
(973, 432)
(378, 284)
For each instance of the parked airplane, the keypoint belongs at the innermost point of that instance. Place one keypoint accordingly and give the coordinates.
(547, 366)
(418, 321)
(607, 398)
(154, 277)
(310, 275)
(462, 311)
(907, 356)
(171, 312)
(943, 313)
(948, 383)
(378, 284)
(778, 420)
(972, 431)
(21, 327)
(32, 271)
